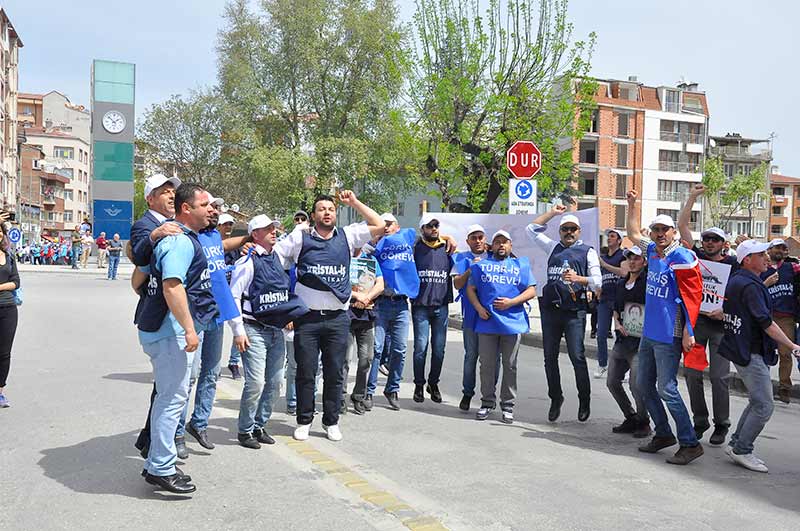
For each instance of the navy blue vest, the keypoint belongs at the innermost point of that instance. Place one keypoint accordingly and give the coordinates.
(556, 292)
(433, 268)
(202, 307)
(610, 280)
(272, 301)
(743, 335)
(325, 264)
(218, 269)
(782, 292)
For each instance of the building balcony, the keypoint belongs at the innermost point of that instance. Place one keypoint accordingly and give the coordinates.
(686, 138)
(740, 152)
(779, 201)
(680, 197)
(48, 199)
(779, 220)
(681, 167)
(54, 225)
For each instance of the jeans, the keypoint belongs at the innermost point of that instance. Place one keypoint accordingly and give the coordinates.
(8, 329)
(709, 333)
(210, 358)
(172, 366)
(316, 333)
(605, 310)
(658, 380)
(430, 322)
(236, 357)
(470, 361)
(623, 358)
(263, 366)
(362, 337)
(75, 255)
(392, 320)
(291, 374)
(571, 324)
(507, 347)
(759, 408)
(113, 264)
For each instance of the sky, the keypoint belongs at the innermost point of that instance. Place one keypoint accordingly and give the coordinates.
(739, 51)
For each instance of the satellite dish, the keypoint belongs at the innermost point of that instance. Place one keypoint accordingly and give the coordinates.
(235, 207)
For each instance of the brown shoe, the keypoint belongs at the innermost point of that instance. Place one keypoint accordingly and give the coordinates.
(784, 395)
(658, 443)
(686, 454)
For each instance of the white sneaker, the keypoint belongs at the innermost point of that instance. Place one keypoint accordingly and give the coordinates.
(508, 417)
(749, 461)
(334, 433)
(601, 372)
(301, 432)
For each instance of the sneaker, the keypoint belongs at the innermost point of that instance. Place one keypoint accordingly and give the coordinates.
(464, 404)
(433, 390)
(686, 454)
(383, 369)
(358, 406)
(4, 401)
(718, 437)
(658, 443)
(248, 441)
(784, 395)
(334, 433)
(748, 461)
(291, 410)
(700, 429)
(368, 402)
(508, 416)
(593, 334)
(629, 425)
(610, 334)
(483, 413)
(392, 399)
(301, 432)
(601, 372)
(262, 436)
(343, 407)
(419, 396)
(642, 430)
(235, 373)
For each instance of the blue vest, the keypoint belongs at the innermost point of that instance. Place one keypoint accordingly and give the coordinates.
(395, 254)
(610, 280)
(742, 332)
(663, 301)
(463, 261)
(433, 270)
(202, 306)
(556, 292)
(272, 302)
(782, 292)
(324, 265)
(501, 278)
(217, 268)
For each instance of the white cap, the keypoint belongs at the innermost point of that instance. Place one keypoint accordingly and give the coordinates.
(619, 233)
(388, 216)
(749, 247)
(569, 218)
(475, 228)
(503, 233)
(157, 180)
(426, 218)
(662, 219)
(225, 218)
(261, 221)
(777, 241)
(716, 231)
(218, 201)
(632, 250)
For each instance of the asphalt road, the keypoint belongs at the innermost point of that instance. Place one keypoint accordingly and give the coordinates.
(79, 388)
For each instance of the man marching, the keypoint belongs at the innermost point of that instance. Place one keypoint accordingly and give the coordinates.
(610, 265)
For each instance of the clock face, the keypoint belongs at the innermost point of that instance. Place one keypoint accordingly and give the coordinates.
(113, 122)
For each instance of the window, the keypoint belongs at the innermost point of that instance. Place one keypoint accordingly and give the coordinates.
(68, 194)
(776, 229)
(620, 216)
(61, 152)
(588, 154)
(759, 227)
(746, 169)
(622, 127)
(776, 211)
(594, 122)
(693, 217)
(622, 155)
(692, 103)
(622, 186)
(779, 191)
(669, 131)
(761, 200)
(694, 162)
(672, 190)
(69, 173)
(587, 183)
(399, 208)
(27, 110)
(672, 101)
(729, 170)
(694, 135)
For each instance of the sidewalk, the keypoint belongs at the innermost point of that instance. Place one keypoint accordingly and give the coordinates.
(125, 269)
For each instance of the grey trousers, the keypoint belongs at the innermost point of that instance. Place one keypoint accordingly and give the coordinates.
(709, 333)
(623, 358)
(489, 345)
(362, 343)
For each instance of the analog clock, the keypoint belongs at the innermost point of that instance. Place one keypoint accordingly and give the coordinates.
(113, 122)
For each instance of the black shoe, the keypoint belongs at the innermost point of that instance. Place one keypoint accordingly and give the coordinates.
(629, 425)
(173, 483)
(784, 395)
(201, 436)
(642, 430)
(658, 443)
(368, 402)
(291, 410)
(248, 441)
(235, 373)
(343, 407)
(583, 411)
(180, 448)
(555, 409)
(700, 429)
(419, 396)
(718, 437)
(186, 478)
(433, 390)
(686, 454)
(610, 334)
(262, 436)
(464, 404)
(358, 406)
(392, 399)
(593, 334)
(143, 443)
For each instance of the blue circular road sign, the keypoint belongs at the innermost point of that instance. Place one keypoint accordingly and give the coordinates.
(15, 235)
(524, 189)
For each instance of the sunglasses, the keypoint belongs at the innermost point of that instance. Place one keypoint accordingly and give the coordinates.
(716, 239)
(300, 219)
(571, 228)
(433, 225)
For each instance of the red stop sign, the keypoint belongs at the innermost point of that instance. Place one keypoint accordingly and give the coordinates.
(523, 159)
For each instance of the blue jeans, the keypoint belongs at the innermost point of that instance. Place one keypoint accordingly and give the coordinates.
(75, 255)
(210, 358)
(172, 368)
(430, 322)
(263, 371)
(392, 319)
(759, 408)
(605, 311)
(572, 325)
(113, 264)
(658, 380)
(235, 356)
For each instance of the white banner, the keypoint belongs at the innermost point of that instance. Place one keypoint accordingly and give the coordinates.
(456, 225)
(715, 280)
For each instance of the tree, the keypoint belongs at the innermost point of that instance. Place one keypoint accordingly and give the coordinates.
(483, 82)
(727, 197)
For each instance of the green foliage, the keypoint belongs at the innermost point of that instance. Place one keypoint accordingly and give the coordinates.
(726, 197)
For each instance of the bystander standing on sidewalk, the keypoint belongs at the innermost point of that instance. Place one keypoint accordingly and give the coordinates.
(86, 248)
(114, 249)
(102, 250)
(9, 281)
(77, 240)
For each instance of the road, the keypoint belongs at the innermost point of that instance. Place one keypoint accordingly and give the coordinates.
(79, 388)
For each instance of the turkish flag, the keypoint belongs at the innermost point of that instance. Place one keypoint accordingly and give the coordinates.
(695, 358)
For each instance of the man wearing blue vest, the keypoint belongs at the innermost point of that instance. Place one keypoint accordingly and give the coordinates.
(429, 308)
(178, 307)
(781, 279)
(611, 268)
(499, 286)
(260, 287)
(572, 270)
(323, 256)
(750, 343)
(672, 304)
(476, 240)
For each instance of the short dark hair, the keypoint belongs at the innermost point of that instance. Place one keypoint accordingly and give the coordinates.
(185, 194)
(322, 197)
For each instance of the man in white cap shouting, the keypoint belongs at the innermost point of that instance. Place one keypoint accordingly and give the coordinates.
(573, 269)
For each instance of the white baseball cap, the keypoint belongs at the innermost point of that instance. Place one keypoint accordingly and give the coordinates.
(632, 250)
(503, 233)
(749, 247)
(475, 228)
(388, 216)
(777, 241)
(261, 221)
(225, 218)
(619, 233)
(218, 201)
(716, 231)
(426, 218)
(158, 180)
(662, 219)
(569, 218)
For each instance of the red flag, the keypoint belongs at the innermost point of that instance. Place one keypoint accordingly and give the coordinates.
(695, 358)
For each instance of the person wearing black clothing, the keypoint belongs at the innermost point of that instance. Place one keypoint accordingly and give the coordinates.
(9, 281)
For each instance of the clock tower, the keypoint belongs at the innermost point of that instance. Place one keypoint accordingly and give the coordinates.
(113, 113)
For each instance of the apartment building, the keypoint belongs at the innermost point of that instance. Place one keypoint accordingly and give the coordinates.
(10, 138)
(29, 110)
(42, 196)
(784, 215)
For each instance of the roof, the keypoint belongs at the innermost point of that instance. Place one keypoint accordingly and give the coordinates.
(29, 96)
(55, 177)
(12, 31)
(51, 133)
(730, 138)
(776, 178)
(648, 96)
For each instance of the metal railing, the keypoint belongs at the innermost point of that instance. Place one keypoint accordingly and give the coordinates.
(688, 138)
(740, 151)
(48, 199)
(672, 196)
(672, 107)
(685, 167)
